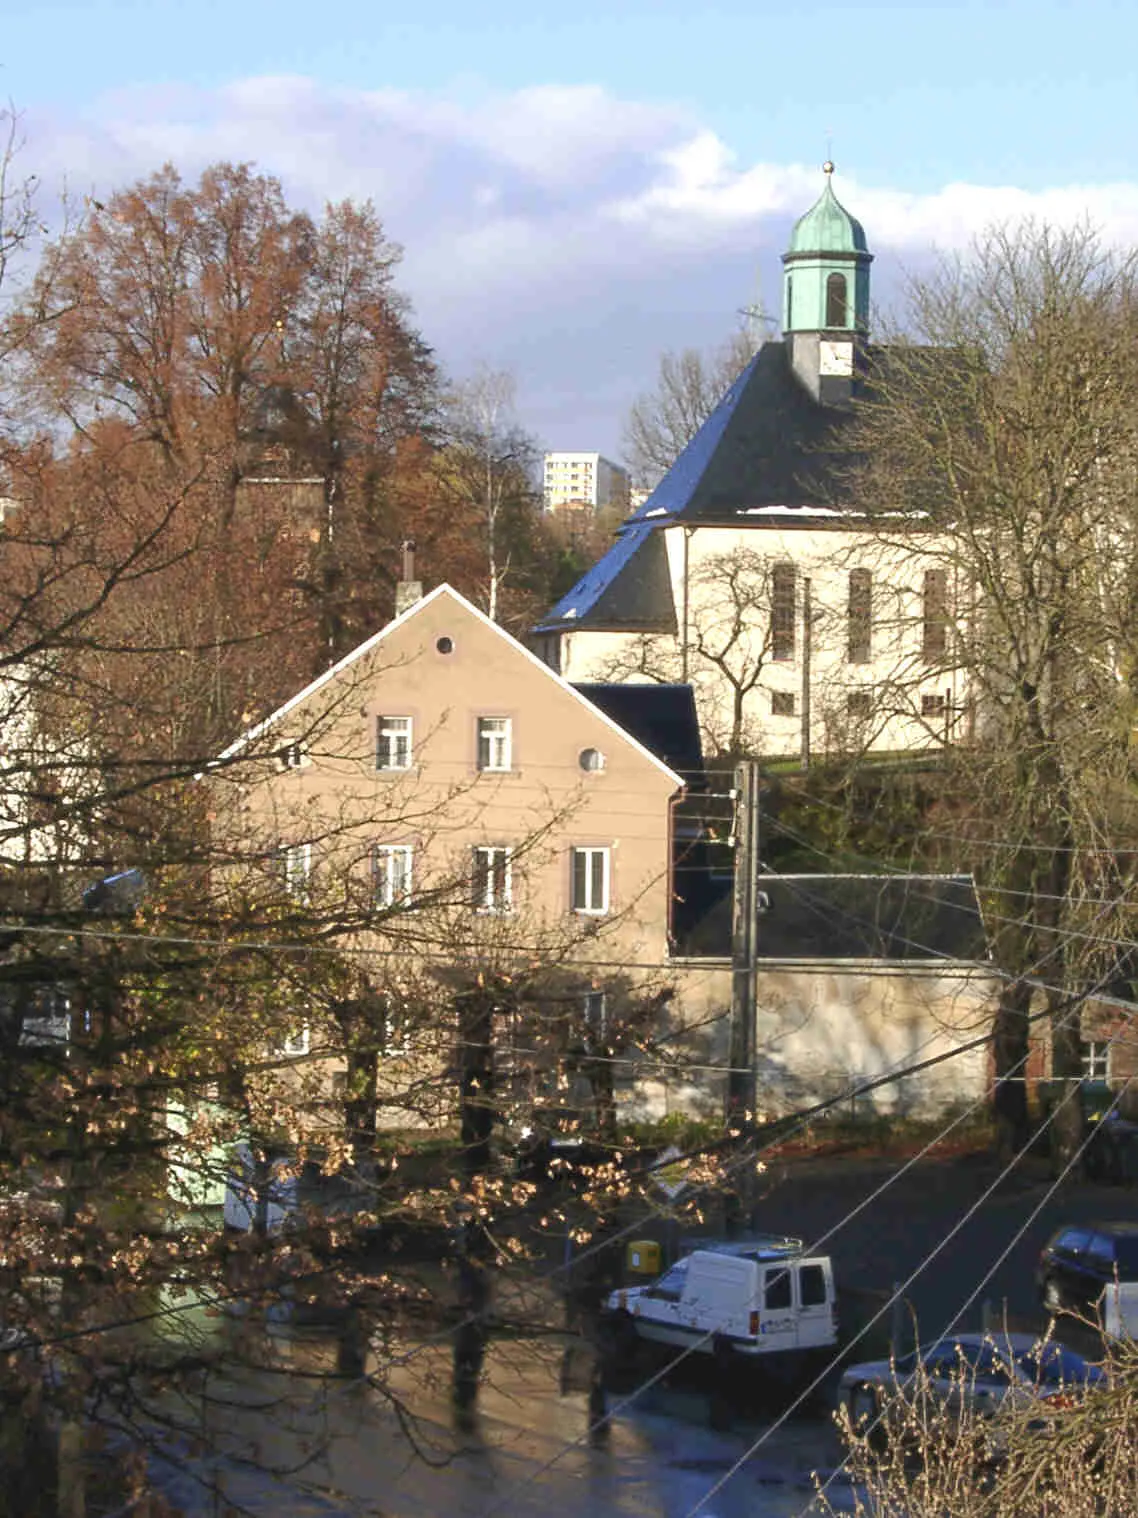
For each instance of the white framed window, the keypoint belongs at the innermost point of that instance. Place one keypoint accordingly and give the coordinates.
(590, 887)
(294, 863)
(1095, 1054)
(490, 884)
(391, 865)
(292, 757)
(495, 743)
(393, 747)
(296, 1041)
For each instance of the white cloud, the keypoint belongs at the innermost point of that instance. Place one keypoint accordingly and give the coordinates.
(561, 230)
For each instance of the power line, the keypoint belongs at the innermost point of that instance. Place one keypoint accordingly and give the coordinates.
(798, 1120)
(829, 1234)
(812, 1248)
(1072, 1011)
(969, 1213)
(999, 1260)
(1027, 920)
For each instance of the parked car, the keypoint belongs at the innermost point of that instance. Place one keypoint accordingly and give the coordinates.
(978, 1372)
(556, 1144)
(1079, 1261)
(1112, 1150)
(736, 1300)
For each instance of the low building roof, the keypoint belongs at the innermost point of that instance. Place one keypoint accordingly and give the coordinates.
(839, 917)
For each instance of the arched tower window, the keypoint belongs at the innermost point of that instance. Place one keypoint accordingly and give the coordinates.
(836, 301)
(789, 323)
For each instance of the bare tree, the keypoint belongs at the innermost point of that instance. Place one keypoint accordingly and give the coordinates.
(1070, 1454)
(488, 467)
(1000, 453)
(689, 386)
(732, 635)
(152, 1013)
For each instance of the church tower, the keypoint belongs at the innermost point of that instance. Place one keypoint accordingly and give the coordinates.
(825, 302)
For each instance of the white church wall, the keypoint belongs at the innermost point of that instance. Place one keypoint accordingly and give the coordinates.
(909, 702)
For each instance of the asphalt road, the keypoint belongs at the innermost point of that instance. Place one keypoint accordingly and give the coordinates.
(964, 1232)
(524, 1452)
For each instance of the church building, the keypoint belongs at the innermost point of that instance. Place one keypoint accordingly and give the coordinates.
(801, 627)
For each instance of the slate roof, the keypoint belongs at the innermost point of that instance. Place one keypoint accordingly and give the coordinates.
(660, 717)
(628, 590)
(827, 917)
(768, 452)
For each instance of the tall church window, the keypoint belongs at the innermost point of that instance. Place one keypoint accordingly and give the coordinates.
(836, 301)
(860, 617)
(782, 611)
(934, 629)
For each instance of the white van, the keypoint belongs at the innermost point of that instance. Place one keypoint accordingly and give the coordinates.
(747, 1298)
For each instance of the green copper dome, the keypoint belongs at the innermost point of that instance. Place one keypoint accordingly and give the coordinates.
(826, 279)
(828, 227)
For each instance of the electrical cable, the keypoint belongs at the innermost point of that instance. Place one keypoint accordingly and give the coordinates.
(695, 1346)
(1019, 922)
(1014, 1161)
(1071, 1011)
(897, 1295)
(970, 1300)
(743, 1160)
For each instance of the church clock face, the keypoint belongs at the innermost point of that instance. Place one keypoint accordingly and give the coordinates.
(835, 358)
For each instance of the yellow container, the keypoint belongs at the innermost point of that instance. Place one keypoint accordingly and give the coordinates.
(642, 1257)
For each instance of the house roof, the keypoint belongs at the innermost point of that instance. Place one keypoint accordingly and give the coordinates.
(855, 917)
(260, 729)
(768, 455)
(628, 589)
(661, 717)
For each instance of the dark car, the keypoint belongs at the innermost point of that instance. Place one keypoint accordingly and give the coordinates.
(1082, 1259)
(1111, 1152)
(555, 1145)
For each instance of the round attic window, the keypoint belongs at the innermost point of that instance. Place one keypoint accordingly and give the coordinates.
(445, 645)
(591, 760)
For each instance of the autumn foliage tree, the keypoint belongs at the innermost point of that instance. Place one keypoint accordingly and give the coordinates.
(216, 424)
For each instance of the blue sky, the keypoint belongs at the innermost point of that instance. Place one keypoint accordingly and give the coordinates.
(579, 186)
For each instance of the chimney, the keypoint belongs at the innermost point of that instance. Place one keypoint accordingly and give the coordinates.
(409, 590)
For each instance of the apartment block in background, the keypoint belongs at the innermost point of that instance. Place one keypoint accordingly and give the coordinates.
(584, 479)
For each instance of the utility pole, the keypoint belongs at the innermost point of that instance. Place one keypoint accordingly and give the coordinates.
(741, 1081)
(807, 651)
(740, 1111)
